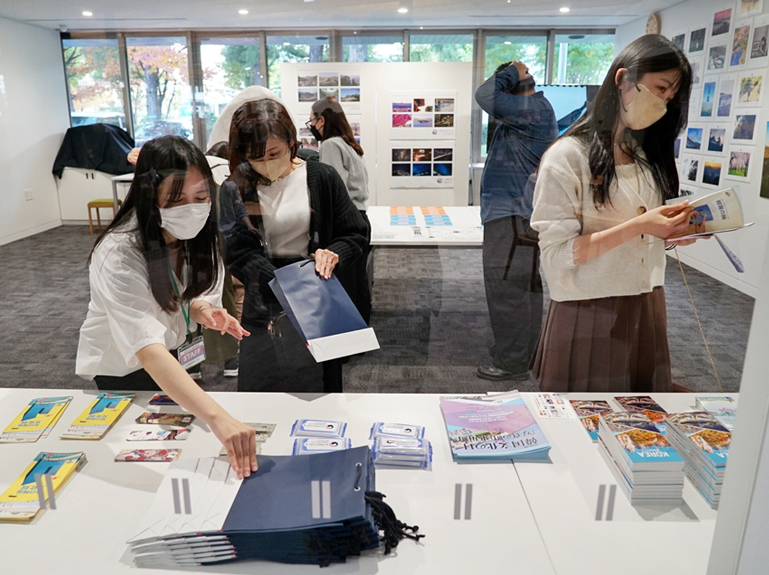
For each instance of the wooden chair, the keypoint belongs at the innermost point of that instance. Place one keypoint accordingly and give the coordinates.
(96, 204)
(524, 240)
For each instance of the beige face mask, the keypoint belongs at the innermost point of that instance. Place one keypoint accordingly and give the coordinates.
(272, 169)
(644, 111)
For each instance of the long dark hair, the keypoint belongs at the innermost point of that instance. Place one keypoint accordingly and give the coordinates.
(169, 157)
(650, 53)
(335, 124)
(252, 124)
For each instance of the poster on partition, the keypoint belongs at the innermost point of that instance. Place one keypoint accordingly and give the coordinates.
(423, 115)
(422, 164)
(312, 85)
(308, 141)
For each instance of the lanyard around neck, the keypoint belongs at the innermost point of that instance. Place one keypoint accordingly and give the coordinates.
(185, 314)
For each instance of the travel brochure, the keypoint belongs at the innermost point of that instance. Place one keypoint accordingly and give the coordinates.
(36, 420)
(588, 411)
(99, 416)
(22, 500)
(492, 427)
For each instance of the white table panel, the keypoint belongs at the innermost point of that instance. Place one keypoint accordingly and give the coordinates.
(466, 229)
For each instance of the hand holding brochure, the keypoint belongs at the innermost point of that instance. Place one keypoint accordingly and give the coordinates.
(714, 213)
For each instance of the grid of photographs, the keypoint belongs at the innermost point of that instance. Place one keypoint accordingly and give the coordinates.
(729, 57)
(343, 87)
(422, 162)
(423, 113)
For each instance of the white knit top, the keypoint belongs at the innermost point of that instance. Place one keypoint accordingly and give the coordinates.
(564, 209)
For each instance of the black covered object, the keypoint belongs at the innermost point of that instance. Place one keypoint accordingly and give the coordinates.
(101, 147)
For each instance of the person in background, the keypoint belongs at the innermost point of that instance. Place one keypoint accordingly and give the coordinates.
(600, 213)
(525, 127)
(300, 208)
(339, 149)
(155, 275)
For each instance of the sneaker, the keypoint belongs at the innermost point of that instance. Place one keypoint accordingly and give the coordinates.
(231, 367)
(493, 373)
(195, 372)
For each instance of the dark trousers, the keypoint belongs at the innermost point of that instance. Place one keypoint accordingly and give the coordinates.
(138, 380)
(514, 309)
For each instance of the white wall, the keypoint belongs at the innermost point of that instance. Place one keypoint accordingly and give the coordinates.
(749, 244)
(33, 119)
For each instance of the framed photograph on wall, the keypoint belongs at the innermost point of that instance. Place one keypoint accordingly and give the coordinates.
(708, 103)
(744, 131)
(738, 163)
(697, 40)
(749, 7)
(764, 189)
(694, 138)
(679, 40)
(725, 99)
(677, 144)
(738, 58)
(722, 22)
(749, 88)
(758, 55)
(716, 140)
(694, 106)
(711, 172)
(690, 170)
(717, 54)
(697, 70)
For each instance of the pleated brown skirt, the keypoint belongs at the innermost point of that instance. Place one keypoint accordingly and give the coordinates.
(615, 344)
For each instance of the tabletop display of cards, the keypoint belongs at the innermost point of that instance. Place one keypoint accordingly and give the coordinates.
(554, 516)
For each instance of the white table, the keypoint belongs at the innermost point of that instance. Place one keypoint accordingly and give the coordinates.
(100, 506)
(465, 230)
(124, 179)
(535, 518)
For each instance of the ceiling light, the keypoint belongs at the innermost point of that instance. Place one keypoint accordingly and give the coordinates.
(247, 69)
(287, 43)
(565, 9)
(421, 27)
(402, 10)
(87, 13)
(508, 42)
(243, 12)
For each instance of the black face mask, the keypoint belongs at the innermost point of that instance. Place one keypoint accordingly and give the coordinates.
(315, 133)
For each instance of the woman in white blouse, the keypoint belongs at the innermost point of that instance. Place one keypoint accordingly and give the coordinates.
(599, 210)
(155, 275)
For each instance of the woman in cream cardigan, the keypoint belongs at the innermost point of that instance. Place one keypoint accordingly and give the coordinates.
(603, 224)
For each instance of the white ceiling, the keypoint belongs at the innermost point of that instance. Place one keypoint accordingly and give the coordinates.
(338, 14)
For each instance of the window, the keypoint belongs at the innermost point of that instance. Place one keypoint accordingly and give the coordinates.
(582, 58)
(94, 83)
(160, 87)
(365, 48)
(441, 48)
(229, 65)
(531, 50)
(293, 48)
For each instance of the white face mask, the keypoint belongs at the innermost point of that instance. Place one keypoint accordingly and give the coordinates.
(272, 169)
(185, 222)
(644, 111)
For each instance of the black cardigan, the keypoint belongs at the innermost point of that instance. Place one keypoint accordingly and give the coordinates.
(335, 224)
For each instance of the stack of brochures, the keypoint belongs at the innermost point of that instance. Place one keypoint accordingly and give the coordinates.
(704, 443)
(724, 409)
(492, 427)
(646, 466)
(588, 411)
(99, 417)
(37, 483)
(313, 509)
(400, 445)
(36, 420)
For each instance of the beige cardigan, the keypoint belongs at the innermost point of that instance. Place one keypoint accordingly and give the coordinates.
(564, 209)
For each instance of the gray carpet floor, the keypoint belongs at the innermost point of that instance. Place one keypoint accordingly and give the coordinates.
(429, 314)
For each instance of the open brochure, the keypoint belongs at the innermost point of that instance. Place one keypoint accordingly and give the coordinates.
(718, 212)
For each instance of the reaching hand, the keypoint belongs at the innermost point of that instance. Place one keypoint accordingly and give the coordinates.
(221, 320)
(240, 442)
(666, 221)
(325, 261)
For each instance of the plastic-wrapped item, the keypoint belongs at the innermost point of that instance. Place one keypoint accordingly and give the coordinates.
(318, 428)
(402, 452)
(306, 445)
(403, 430)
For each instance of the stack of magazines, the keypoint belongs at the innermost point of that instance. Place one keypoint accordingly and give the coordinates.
(313, 509)
(646, 466)
(704, 443)
(492, 427)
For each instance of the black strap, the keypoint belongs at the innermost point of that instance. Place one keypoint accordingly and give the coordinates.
(393, 529)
